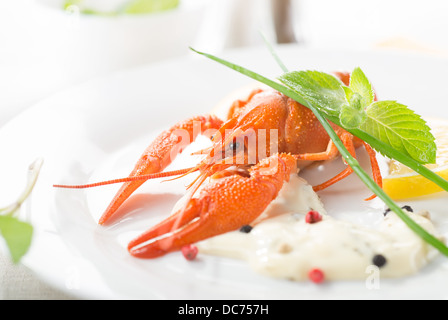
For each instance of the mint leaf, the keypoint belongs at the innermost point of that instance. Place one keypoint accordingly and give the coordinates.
(150, 6)
(352, 115)
(390, 122)
(17, 234)
(402, 129)
(324, 91)
(360, 84)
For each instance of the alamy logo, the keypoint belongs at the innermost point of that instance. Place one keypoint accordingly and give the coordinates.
(373, 278)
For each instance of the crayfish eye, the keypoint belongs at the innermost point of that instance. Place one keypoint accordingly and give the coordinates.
(233, 146)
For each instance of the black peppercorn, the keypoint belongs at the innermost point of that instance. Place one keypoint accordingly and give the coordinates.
(407, 208)
(379, 260)
(246, 228)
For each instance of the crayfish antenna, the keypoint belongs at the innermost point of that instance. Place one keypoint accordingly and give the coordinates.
(145, 177)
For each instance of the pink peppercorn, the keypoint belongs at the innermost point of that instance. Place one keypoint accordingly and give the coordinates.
(313, 217)
(190, 252)
(316, 275)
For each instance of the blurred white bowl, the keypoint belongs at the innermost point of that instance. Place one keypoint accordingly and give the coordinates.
(46, 49)
(94, 44)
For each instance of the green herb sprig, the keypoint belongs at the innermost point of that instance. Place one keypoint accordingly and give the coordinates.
(16, 233)
(330, 100)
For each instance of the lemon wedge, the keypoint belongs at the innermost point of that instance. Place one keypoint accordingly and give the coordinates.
(404, 183)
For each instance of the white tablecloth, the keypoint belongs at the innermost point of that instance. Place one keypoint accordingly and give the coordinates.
(19, 283)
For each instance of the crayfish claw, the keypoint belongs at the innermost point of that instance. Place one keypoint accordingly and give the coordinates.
(224, 205)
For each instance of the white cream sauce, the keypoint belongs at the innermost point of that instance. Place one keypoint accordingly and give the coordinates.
(283, 245)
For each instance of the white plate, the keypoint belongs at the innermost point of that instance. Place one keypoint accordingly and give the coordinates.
(97, 131)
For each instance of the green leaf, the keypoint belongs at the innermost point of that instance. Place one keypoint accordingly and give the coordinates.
(390, 122)
(321, 89)
(399, 127)
(360, 84)
(352, 115)
(17, 234)
(150, 6)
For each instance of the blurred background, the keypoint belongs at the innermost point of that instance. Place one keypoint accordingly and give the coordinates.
(48, 45)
